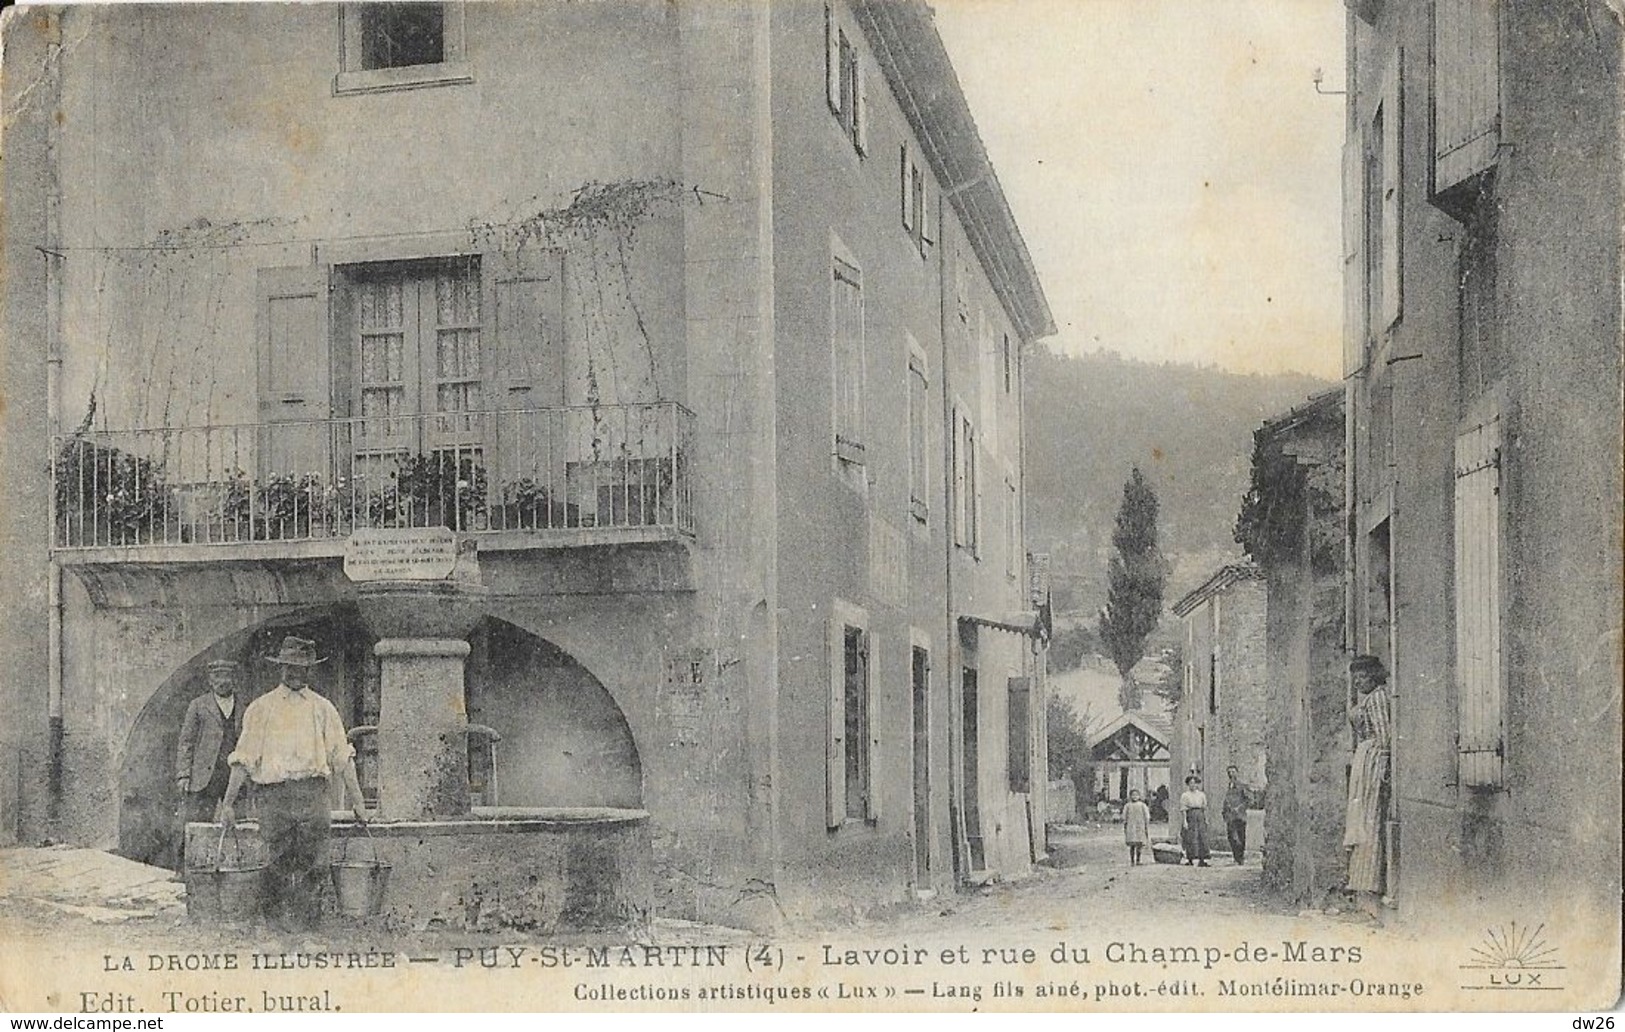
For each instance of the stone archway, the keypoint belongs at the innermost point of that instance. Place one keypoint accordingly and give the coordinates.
(564, 740)
(148, 798)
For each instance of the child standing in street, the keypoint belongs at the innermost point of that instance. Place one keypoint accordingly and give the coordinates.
(1136, 826)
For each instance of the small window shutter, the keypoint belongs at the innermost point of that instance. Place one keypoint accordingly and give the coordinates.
(1466, 89)
(906, 188)
(959, 519)
(1478, 605)
(1393, 122)
(860, 104)
(832, 60)
(528, 289)
(835, 739)
(871, 724)
(1354, 287)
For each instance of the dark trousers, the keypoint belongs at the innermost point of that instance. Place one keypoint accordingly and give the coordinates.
(1236, 829)
(294, 826)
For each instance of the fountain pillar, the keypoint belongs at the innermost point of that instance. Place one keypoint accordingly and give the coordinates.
(422, 728)
(422, 628)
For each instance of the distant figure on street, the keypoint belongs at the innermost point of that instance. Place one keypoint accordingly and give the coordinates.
(1136, 826)
(208, 735)
(1193, 817)
(1159, 803)
(1235, 814)
(1368, 781)
(292, 745)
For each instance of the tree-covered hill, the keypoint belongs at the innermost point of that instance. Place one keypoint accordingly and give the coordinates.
(1091, 419)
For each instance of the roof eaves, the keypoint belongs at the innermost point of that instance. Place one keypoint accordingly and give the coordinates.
(917, 67)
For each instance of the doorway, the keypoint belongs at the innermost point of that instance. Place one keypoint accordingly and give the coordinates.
(921, 679)
(972, 768)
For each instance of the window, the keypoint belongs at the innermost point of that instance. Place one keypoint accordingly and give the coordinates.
(396, 35)
(846, 333)
(412, 352)
(1012, 527)
(966, 490)
(1021, 734)
(852, 741)
(1008, 372)
(845, 82)
(392, 46)
(1466, 93)
(1479, 737)
(911, 195)
(919, 422)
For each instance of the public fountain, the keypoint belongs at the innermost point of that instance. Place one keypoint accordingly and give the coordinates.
(548, 870)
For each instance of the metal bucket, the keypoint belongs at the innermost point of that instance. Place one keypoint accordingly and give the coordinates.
(359, 885)
(225, 890)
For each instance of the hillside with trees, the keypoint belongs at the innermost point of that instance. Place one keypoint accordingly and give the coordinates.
(1091, 419)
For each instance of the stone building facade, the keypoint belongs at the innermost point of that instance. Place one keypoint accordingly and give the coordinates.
(703, 322)
(1222, 711)
(1482, 195)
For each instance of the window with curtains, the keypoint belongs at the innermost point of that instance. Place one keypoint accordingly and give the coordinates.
(412, 341)
(847, 358)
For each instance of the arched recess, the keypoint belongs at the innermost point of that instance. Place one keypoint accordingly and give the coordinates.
(564, 740)
(149, 830)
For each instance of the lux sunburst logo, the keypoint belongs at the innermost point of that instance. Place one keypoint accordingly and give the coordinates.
(1513, 957)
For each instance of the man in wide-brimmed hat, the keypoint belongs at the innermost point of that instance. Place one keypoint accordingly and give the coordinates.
(209, 733)
(292, 746)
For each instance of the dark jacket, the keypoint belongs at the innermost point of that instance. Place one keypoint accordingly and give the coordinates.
(202, 732)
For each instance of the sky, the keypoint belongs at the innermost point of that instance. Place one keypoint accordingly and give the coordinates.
(1172, 167)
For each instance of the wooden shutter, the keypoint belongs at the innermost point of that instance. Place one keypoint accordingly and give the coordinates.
(1466, 89)
(832, 60)
(860, 103)
(528, 300)
(871, 727)
(1354, 285)
(1020, 727)
(927, 235)
(1478, 605)
(905, 189)
(1393, 137)
(295, 375)
(835, 738)
(294, 351)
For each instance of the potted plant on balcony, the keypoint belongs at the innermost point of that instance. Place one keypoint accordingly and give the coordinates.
(107, 496)
(528, 505)
(440, 489)
(292, 506)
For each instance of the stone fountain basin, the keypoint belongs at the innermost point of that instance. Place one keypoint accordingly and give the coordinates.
(554, 871)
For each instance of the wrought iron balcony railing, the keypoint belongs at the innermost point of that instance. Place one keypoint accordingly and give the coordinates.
(582, 471)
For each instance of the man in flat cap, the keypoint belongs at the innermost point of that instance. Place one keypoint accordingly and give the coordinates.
(292, 745)
(209, 733)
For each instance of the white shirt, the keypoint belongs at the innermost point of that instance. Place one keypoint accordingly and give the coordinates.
(1195, 799)
(288, 735)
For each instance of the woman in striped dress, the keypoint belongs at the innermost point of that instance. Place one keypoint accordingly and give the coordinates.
(1368, 776)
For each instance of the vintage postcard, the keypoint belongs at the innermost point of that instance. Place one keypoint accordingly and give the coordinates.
(811, 505)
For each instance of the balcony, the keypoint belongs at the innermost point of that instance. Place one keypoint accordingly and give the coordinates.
(526, 478)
